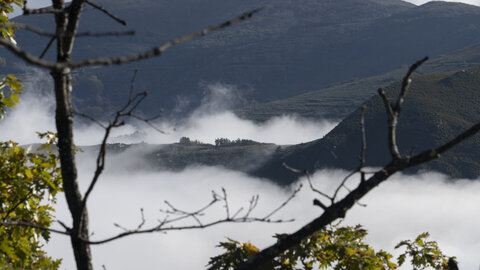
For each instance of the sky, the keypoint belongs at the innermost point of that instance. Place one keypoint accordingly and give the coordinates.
(400, 209)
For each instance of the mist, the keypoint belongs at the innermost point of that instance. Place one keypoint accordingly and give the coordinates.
(399, 209)
(213, 119)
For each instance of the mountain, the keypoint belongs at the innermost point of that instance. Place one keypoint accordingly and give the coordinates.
(338, 100)
(242, 155)
(437, 108)
(288, 48)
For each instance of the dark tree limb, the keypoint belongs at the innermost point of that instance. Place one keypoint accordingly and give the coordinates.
(393, 113)
(106, 61)
(31, 225)
(49, 44)
(338, 209)
(102, 9)
(361, 157)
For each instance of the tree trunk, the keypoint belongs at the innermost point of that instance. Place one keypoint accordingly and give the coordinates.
(66, 28)
(64, 122)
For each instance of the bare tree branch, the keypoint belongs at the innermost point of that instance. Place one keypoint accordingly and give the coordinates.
(106, 61)
(181, 215)
(394, 113)
(49, 44)
(86, 116)
(361, 157)
(102, 9)
(294, 193)
(339, 209)
(31, 225)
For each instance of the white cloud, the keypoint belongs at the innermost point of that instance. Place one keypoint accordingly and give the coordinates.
(399, 209)
(211, 120)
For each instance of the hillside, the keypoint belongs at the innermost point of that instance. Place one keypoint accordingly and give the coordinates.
(244, 157)
(289, 48)
(338, 100)
(438, 107)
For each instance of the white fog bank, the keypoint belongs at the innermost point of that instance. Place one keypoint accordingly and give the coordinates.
(399, 209)
(212, 119)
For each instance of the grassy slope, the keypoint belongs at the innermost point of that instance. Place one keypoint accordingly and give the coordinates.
(288, 48)
(437, 108)
(339, 100)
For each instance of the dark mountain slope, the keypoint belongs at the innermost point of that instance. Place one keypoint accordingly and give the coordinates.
(438, 107)
(288, 48)
(337, 101)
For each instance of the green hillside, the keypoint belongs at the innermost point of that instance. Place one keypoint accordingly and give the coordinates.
(437, 108)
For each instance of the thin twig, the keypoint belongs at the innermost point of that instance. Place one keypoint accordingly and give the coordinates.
(86, 116)
(102, 9)
(106, 34)
(31, 225)
(338, 209)
(156, 51)
(315, 189)
(132, 84)
(47, 47)
(294, 193)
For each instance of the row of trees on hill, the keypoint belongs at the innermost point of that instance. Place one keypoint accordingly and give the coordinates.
(27, 177)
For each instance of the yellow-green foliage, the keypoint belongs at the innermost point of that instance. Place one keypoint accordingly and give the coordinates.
(28, 185)
(336, 248)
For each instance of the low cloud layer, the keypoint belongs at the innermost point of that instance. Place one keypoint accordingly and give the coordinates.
(401, 208)
(213, 119)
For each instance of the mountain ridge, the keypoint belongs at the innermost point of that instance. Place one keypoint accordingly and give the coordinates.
(288, 48)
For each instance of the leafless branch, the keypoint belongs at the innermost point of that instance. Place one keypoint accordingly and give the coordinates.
(315, 189)
(31, 225)
(364, 137)
(394, 113)
(126, 111)
(102, 9)
(29, 28)
(307, 174)
(132, 84)
(49, 44)
(294, 193)
(45, 33)
(406, 84)
(86, 116)
(148, 122)
(361, 157)
(339, 209)
(156, 51)
(106, 34)
(162, 225)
